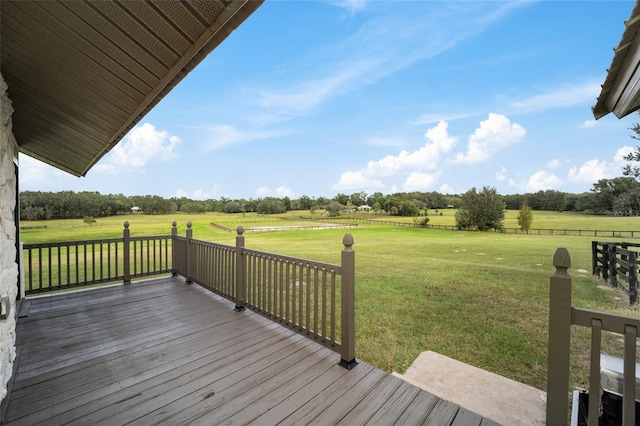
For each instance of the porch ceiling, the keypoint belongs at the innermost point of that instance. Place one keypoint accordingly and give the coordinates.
(81, 74)
(621, 89)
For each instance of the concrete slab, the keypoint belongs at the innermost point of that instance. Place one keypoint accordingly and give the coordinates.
(498, 398)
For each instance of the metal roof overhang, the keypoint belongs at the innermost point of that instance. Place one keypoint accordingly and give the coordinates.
(82, 73)
(621, 90)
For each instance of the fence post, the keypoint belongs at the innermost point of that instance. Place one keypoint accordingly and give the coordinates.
(605, 262)
(348, 304)
(189, 237)
(126, 242)
(559, 339)
(633, 277)
(241, 281)
(594, 259)
(174, 256)
(613, 266)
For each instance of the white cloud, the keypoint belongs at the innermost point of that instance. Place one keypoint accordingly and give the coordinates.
(35, 173)
(424, 159)
(447, 189)
(622, 152)
(588, 124)
(356, 180)
(197, 194)
(554, 164)
(494, 134)
(594, 170)
(420, 181)
(501, 175)
(560, 97)
(541, 181)
(142, 146)
(353, 6)
(222, 135)
(383, 45)
(281, 191)
(590, 171)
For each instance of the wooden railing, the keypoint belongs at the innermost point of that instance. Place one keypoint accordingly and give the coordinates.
(562, 315)
(534, 231)
(618, 265)
(63, 265)
(313, 298)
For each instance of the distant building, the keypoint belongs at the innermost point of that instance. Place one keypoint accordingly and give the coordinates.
(365, 208)
(135, 209)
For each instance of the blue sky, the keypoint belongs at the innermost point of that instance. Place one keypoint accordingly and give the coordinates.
(319, 97)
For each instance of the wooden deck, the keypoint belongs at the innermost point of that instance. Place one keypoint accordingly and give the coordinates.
(162, 352)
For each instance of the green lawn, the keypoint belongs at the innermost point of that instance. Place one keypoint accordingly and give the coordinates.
(481, 298)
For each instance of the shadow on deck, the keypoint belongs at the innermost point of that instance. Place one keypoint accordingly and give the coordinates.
(162, 352)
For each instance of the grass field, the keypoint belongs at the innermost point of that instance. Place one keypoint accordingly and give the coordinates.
(481, 298)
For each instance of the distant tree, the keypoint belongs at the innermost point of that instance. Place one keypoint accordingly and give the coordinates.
(305, 202)
(525, 217)
(633, 156)
(627, 203)
(232, 207)
(377, 198)
(482, 210)
(606, 192)
(358, 198)
(271, 206)
(397, 206)
(341, 198)
(89, 220)
(334, 208)
(192, 207)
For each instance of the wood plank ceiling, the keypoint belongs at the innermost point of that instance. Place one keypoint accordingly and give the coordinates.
(81, 74)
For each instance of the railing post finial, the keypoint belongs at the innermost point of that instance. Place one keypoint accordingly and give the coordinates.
(562, 261)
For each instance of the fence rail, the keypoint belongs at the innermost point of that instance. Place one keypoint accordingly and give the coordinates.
(562, 315)
(535, 231)
(616, 264)
(70, 264)
(316, 299)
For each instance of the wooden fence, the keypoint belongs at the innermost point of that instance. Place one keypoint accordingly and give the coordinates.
(536, 231)
(70, 264)
(313, 298)
(615, 263)
(562, 315)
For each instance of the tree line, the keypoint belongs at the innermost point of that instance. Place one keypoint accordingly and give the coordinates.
(618, 196)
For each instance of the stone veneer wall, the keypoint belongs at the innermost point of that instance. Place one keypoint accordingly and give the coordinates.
(8, 266)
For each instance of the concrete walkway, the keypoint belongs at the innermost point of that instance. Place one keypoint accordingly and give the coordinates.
(502, 400)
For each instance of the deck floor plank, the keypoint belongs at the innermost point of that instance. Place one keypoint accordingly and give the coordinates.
(162, 352)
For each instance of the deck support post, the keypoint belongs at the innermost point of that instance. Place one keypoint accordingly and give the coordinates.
(189, 235)
(348, 340)
(559, 339)
(241, 282)
(174, 254)
(126, 239)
